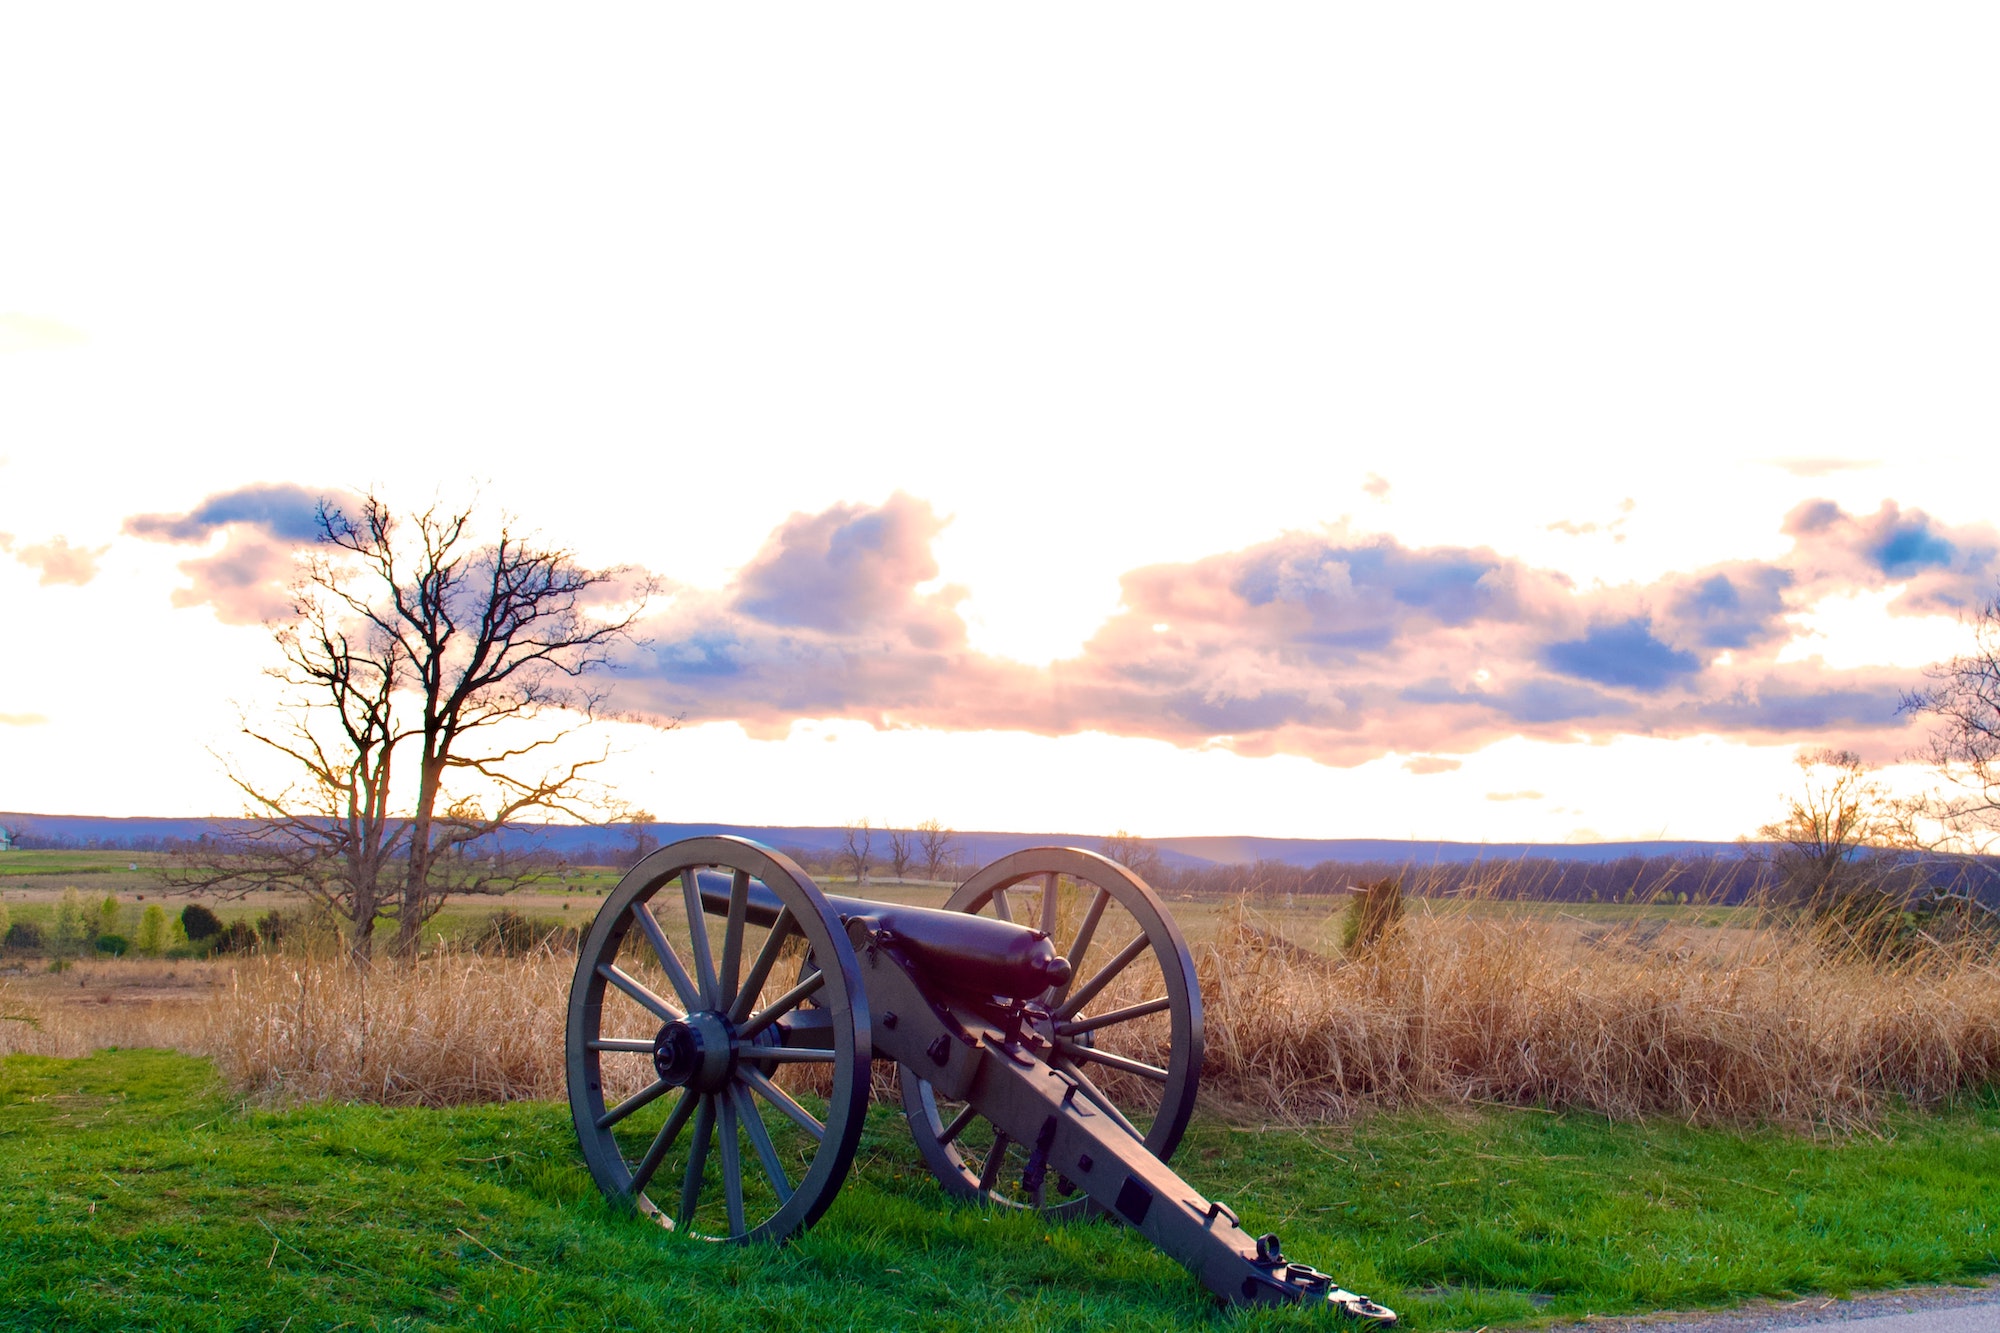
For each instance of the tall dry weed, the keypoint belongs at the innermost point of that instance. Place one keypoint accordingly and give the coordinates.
(1707, 1026)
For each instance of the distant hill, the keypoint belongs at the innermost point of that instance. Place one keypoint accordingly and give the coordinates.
(978, 847)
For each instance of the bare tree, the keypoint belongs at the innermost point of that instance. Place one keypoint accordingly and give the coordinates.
(639, 827)
(902, 850)
(1964, 745)
(1133, 852)
(937, 843)
(859, 839)
(1839, 816)
(415, 638)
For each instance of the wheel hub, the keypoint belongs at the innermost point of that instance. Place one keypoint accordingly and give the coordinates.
(695, 1052)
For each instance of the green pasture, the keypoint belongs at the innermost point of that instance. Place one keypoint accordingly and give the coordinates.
(141, 1195)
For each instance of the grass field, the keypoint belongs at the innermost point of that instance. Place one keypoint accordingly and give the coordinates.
(141, 1194)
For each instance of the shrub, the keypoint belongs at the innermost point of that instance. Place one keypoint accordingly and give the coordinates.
(236, 937)
(115, 945)
(514, 933)
(3, 921)
(1370, 913)
(24, 935)
(152, 930)
(71, 932)
(200, 923)
(107, 915)
(277, 925)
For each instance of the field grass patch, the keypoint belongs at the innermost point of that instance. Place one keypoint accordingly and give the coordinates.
(143, 1194)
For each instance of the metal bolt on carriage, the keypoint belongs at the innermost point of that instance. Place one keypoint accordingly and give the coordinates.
(1030, 1078)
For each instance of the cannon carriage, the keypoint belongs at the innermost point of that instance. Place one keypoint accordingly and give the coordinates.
(1046, 1024)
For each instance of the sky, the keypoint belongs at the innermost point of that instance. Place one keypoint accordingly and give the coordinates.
(1445, 422)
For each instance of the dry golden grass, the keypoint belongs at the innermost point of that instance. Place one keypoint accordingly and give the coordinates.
(1733, 1025)
(1452, 1007)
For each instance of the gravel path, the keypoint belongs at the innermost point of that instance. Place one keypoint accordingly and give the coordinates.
(1914, 1310)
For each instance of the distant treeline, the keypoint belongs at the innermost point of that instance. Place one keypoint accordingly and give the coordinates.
(1725, 880)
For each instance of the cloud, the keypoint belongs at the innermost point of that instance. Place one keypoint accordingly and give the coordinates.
(1513, 796)
(1377, 486)
(245, 581)
(60, 562)
(1822, 467)
(1625, 652)
(1425, 764)
(22, 720)
(845, 571)
(1330, 644)
(289, 513)
(1943, 570)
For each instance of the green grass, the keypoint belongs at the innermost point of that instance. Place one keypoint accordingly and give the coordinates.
(140, 1195)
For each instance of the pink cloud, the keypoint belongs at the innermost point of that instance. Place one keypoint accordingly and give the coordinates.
(1327, 644)
(59, 562)
(246, 582)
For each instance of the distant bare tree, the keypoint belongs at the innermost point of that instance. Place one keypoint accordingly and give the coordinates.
(1964, 747)
(859, 839)
(639, 825)
(1838, 812)
(415, 638)
(1133, 852)
(937, 843)
(902, 850)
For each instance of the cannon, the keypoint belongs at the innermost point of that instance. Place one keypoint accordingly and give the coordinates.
(1033, 1075)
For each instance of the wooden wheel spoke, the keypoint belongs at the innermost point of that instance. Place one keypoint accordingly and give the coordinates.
(704, 959)
(1001, 907)
(1076, 1027)
(642, 1174)
(697, 1163)
(732, 939)
(1113, 1060)
(781, 1006)
(683, 985)
(1097, 1097)
(732, 1166)
(1049, 904)
(1109, 973)
(1080, 947)
(957, 1126)
(760, 971)
(779, 1098)
(760, 1140)
(639, 991)
(645, 1096)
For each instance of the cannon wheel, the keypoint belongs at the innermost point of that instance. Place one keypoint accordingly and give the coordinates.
(654, 959)
(1120, 929)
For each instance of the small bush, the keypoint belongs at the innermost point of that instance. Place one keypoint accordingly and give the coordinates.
(71, 932)
(152, 930)
(514, 933)
(24, 935)
(115, 945)
(200, 923)
(107, 915)
(236, 937)
(1370, 913)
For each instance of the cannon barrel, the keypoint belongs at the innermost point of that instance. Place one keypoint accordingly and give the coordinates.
(955, 950)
